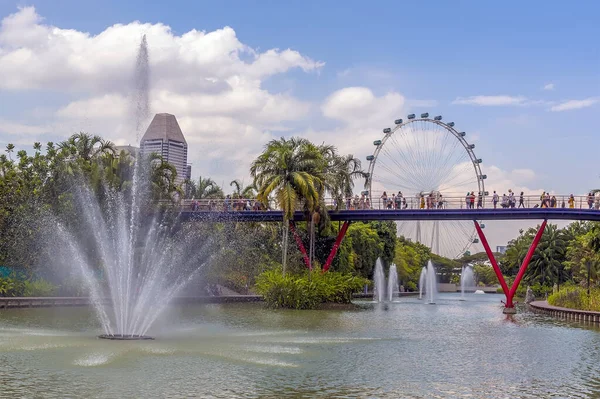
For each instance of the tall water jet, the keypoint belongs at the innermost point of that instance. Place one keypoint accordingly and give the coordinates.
(393, 288)
(132, 257)
(379, 280)
(431, 283)
(467, 280)
(141, 93)
(428, 283)
(422, 282)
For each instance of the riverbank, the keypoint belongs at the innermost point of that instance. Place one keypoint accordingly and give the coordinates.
(45, 302)
(565, 313)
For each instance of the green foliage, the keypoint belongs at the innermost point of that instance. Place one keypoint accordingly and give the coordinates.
(485, 274)
(360, 249)
(410, 258)
(547, 266)
(39, 288)
(11, 286)
(574, 297)
(307, 290)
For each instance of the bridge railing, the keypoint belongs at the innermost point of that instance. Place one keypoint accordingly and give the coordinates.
(411, 202)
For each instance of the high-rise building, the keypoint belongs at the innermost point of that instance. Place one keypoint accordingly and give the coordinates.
(164, 137)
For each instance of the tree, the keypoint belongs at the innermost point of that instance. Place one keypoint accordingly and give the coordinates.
(204, 188)
(292, 171)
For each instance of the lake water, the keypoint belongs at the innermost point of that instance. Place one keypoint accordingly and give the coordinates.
(454, 349)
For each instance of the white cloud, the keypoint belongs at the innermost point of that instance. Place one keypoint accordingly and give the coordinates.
(18, 129)
(490, 101)
(574, 104)
(211, 81)
(548, 86)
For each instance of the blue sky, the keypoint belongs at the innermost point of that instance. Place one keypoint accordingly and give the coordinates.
(425, 50)
(535, 64)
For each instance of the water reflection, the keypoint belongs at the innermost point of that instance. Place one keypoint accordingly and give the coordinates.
(403, 349)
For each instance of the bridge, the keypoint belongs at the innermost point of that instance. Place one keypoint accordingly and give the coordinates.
(402, 215)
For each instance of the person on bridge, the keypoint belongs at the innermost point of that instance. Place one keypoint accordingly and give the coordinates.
(479, 201)
(504, 202)
(590, 200)
(384, 199)
(542, 200)
(467, 200)
(472, 199)
(422, 202)
(495, 199)
(521, 200)
(553, 202)
(511, 198)
(571, 201)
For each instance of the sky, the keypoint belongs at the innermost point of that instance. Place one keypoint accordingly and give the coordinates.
(521, 78)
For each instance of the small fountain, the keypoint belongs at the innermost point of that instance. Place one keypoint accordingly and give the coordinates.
(422, 282)
(379, 280)
(428, 283)
(467, 281)
(393, 288)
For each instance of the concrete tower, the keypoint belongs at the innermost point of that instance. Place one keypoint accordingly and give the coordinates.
(165, 138)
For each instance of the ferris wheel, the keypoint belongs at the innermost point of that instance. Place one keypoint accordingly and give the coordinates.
(431, 165)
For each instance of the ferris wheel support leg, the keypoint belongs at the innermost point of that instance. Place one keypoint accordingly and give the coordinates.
(300, 245)
(336, 246)
(510, 293)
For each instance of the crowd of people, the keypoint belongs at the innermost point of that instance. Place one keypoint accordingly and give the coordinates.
(431, 200)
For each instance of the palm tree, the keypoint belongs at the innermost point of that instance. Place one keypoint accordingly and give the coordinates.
(241, 191)
(9, 149)
(163, 177)
(86, 147)
(203, 188)
(292, 170)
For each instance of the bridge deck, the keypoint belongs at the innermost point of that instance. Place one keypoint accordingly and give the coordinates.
(406, 214)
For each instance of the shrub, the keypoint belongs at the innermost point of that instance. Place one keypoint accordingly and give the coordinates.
(11, 286)
(308, 289)
(39, 287)
(576, 298)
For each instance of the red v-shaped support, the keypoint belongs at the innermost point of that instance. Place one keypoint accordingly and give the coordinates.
(300, 245)
(336, 245)
(510, 293)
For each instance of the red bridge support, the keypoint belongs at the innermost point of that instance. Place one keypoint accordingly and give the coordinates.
(509, 307)
(336, 245)
(300, 245)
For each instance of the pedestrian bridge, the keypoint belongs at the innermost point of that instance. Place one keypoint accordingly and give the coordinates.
(404, 214)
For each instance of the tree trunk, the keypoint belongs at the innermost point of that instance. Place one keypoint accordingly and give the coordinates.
(285, 244)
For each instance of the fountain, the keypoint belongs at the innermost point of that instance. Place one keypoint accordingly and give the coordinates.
(422, 282)
(467, 281)
(383, 292)
(428, 283)
(132, 259)
(393, 288)
(379, 280)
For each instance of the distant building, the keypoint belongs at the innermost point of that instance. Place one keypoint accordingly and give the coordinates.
(129, 149)
(501, 249)
(164, 137)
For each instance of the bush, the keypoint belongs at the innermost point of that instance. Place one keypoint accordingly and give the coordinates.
(39, 287)
(307, 290)
(11, 286)
(576, 298)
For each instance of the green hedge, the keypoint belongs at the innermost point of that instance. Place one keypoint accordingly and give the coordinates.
(307, 290)
(576, 298)
(13, 286)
